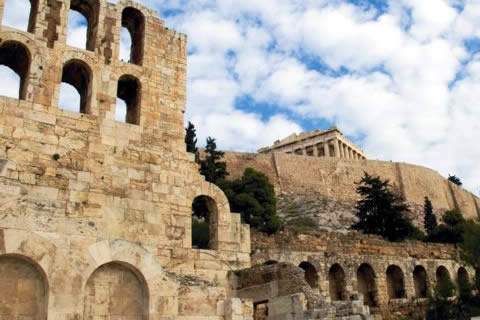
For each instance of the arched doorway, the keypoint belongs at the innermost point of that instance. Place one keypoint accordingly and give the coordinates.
(367, 285)
(420, 282)
(445, 285)
(311, 275)
(337, 283)
(116, 290)
(395, 282)
(23, 289)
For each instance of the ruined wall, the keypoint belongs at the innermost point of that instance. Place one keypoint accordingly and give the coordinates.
(323, 186)
(101, 208)
(354, 253)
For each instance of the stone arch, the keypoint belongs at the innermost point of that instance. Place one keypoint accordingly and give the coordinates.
(32, 13)
(134, 21)
(204, 222)
(420, 281)
(463, 281)
(337, 283)
(78, 74)
(443, 277)
(17, 57)
(311, 274)
(117, 290)
(367, 285)
(90, 9)
(23, 290)
(130, 91)
(395, 282)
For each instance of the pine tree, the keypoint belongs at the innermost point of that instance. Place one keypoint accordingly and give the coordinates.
(455, 180)
(381, 212)
(429, 220)
(213, 169)
(191, 138)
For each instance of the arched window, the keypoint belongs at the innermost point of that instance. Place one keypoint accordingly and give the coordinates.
(420, 282)
(444, 282)
(204, 215)
(337, 283)
(20, 14)
(83, 23)
(116, 291)
(78, 76)
(24, 289)
(133, 22)
(311, 275)
(367, 285)
(16, 57)
(463, 280)
(128, 100)
(395, 282)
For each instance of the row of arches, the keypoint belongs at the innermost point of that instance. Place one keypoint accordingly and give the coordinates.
(83, 25)
(77, 77)
(366, 280)
(114, 290)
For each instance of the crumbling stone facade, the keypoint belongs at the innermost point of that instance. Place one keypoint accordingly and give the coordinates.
(96, 214)
(318, 143)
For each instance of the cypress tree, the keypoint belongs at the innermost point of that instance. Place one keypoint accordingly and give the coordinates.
(212, 168)
(429, 221)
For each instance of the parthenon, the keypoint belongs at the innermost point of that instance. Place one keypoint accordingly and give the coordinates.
(318, 143)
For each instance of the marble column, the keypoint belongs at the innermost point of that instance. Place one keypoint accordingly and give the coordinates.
(315, 150)
(326, 149)
(340, 144)
(350, 153)
(336, 148)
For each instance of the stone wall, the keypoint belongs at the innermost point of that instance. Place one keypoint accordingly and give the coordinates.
(356, 255)
(95, 214)
(330, 183)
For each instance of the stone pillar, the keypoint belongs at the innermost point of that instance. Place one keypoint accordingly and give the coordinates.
(305, 152)
(315, 151)
(336, 147)
(1, 11)
(326, 149)
(350, 153)
(340, 145)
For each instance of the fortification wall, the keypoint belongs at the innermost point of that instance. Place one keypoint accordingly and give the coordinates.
(334, 180)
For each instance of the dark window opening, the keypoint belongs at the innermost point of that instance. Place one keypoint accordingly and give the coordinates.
(260, 310)
(204, 215)
(89, 9)
(77, 74)
(134, 21)
(311, 276)
(16, 57)
(395, 282)
(337, 283)
(444, 281)
(420, 281)
(129, 92)
(367, 285)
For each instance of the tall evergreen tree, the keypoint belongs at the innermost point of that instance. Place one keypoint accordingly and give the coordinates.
(191, 139)
(380, 211)
(429, 219)
(212, 168)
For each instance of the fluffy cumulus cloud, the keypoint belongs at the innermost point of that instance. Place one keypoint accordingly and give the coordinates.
(399, 77)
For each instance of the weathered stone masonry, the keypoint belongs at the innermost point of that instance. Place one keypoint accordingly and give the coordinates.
(95, 214)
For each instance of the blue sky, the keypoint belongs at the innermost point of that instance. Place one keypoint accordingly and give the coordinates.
(399, 77)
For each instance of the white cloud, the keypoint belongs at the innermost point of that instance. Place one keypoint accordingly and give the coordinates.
(69, 98)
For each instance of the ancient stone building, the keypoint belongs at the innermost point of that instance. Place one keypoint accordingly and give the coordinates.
(318, 143)
(96, 214)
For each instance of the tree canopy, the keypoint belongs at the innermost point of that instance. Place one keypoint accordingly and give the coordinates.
(382, 212)
(430, 220)
(212, 168)
(455, 180)
(253, 196)
(451, 230)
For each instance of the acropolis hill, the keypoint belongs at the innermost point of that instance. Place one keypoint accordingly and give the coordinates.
(96, 214)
